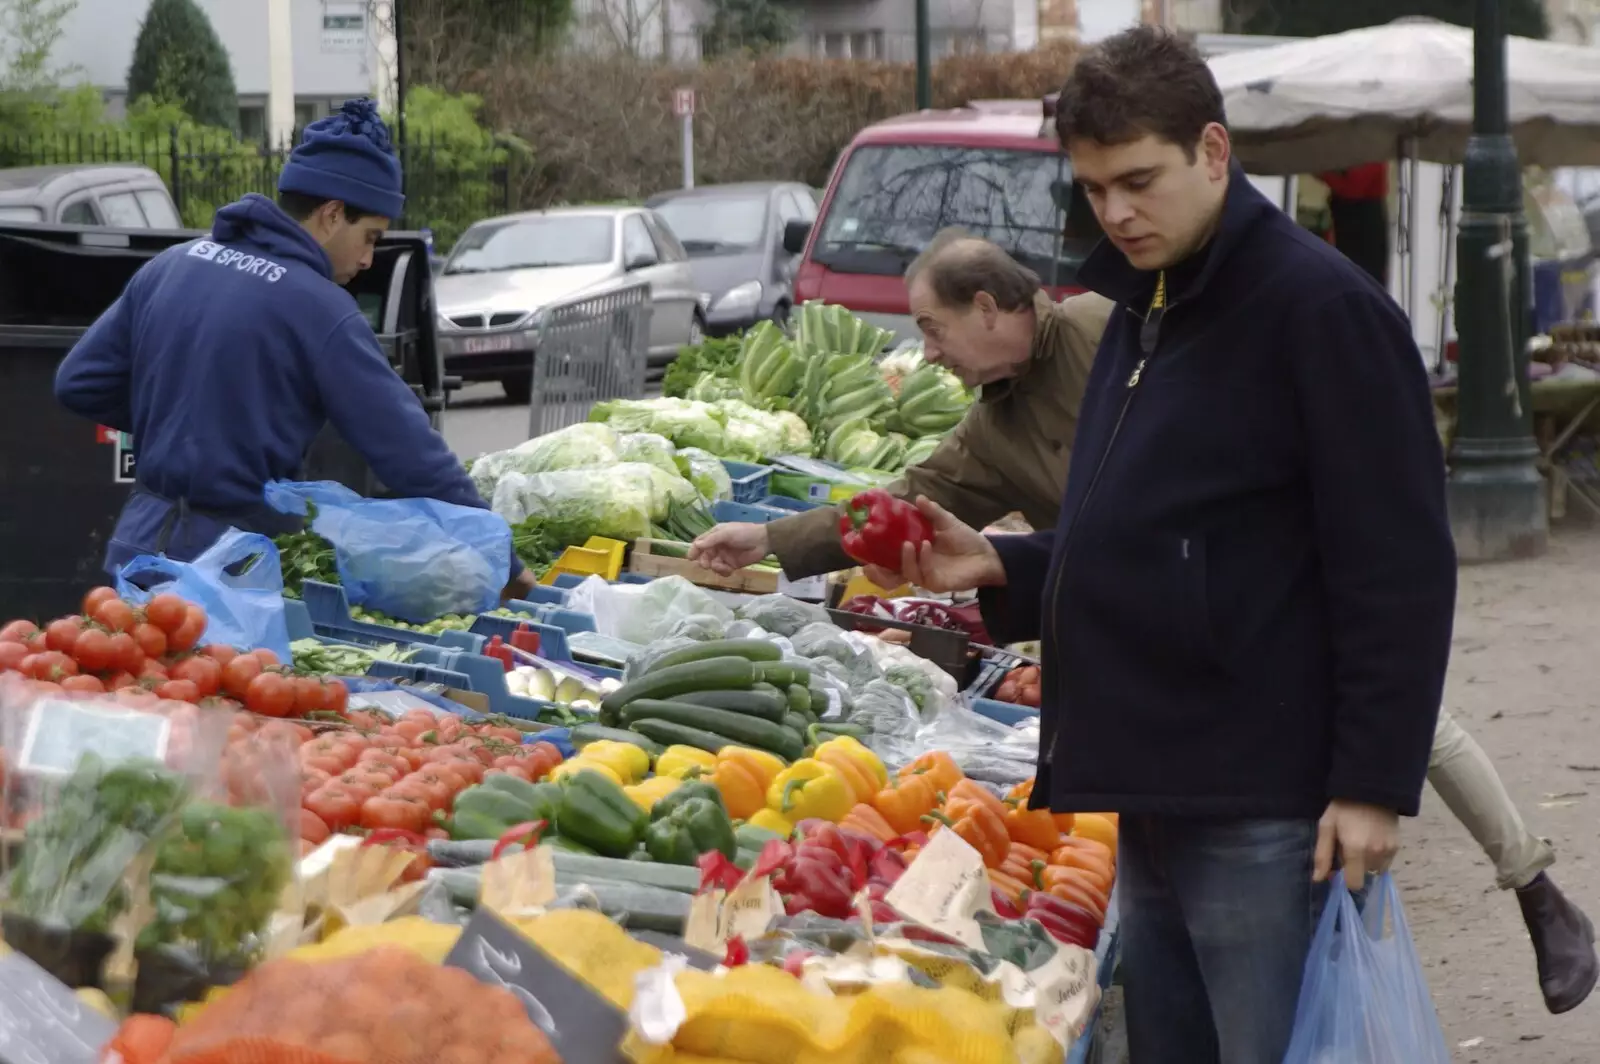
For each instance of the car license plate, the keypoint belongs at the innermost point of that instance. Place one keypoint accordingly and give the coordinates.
(477, 345)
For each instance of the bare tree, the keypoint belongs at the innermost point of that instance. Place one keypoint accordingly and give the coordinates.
(636, 28)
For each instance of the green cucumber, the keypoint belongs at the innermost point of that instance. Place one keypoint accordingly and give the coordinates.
(584, 734)
(714, 674)
(768, 706)
(796, 723)
(799, 699)
(783, 673)
(819, 701)
(566, 845)
(670, 734)
(767, 689)
(751, 837)
(738, 727)
(749, 649)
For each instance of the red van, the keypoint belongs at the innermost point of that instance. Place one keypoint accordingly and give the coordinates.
(993, 167)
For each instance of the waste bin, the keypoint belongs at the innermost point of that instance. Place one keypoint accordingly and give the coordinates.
(63, 480)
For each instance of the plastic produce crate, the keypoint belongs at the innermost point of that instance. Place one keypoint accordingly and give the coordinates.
(567, 581)
(946, 649)
(329, 609)
(552, 623)
(750, 482)
(783, 502)
(420, 672)
(747, 512)
(298, 620)
(1107, 951)
(483, 675)
(1004, 712)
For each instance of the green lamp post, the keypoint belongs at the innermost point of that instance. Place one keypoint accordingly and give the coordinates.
(1496, 494)
(924, 62)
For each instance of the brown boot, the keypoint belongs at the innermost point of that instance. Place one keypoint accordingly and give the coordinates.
(1563, 944)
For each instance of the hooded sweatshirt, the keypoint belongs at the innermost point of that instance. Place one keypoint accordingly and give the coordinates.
(224, 358)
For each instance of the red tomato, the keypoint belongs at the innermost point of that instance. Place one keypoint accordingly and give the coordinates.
(180, 690)
(388, 759)
(438, 788)
(201, 671)
(151, 640)
(312, 827)
(118, 680)
(221, 653)
(125, 653)
(335, 696)
(187, 635)
(266, 657)
(18, 631)
(395, 811)
(53, 666)
(270, 695)
(96, 598)
(237, 674)
(322, 763)
(334, 807)
(115, 614)
(11, 656)
(410, 730)
(84, 684)
(93, 650)
(307, 695)
(167, 612)
(152, 670)
(63, 634)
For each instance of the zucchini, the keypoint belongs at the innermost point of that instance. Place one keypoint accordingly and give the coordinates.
(783, 673)
(624, 870)
(752, 837)
(562, 844)
(714, 674)
(796, 723)
(670, 734)
(767, 689)
(750, 649)
(738, 727)
(768, 706)
(800, 699)
(819, 701)
(584, 734)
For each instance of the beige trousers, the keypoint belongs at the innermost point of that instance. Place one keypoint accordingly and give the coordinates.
(1465, 778)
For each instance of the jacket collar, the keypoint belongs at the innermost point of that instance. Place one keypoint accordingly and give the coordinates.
(1108, 272)
(1046, 326)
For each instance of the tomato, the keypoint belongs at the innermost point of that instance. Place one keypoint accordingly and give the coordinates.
(266, 657)
(180, 690)
(62, 634)
(307, 695)
(334, 807)
(438, 788)
(201, 671)
(152, 670)
(221, 653)
(410, 730)
(98, 597)
(134, 695)
(167, 612)
(115, 615)
(54, 666)
(368, 779)
(312, 827)
(125, 653)
(395, 811)
(93, 650)
(388, 759)
(11, 656)
(151, 640)
(542, 757)
(84, 684)
(187, 635)
(270, 695)
(237, 674)
(18, 631)
(335, 696)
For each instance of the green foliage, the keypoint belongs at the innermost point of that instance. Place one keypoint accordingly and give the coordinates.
(748, 25)
(455, 168)
(29, 30)
(178, 59)
(1314, 18)
(214, 166)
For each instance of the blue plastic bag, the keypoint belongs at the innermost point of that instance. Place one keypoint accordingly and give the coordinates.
(1364, 997)
(415, 559)
(238, 581)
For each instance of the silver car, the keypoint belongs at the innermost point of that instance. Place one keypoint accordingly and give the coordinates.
(504, 271)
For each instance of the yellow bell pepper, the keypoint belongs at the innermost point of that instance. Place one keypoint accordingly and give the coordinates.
(684, 762)
(773, 821)
(581, 762)
(811, 789)
(629, 762)
(863, 785)
(859, 753)
(762, 765)
(645, 795)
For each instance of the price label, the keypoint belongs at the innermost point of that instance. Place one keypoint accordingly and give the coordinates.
(394, 704)
(42, 1022)
(944, 887)
(807, 589)
(60, 734)
(1064, 1003)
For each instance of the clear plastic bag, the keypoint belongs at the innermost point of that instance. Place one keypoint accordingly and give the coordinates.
(649, 448)
(825, 640)
(644, 613)
(1364, 996)
(576, 504)
(782, 614)
(583, 446)
(706, 472)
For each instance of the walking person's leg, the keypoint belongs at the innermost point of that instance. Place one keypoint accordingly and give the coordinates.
(1563, 938)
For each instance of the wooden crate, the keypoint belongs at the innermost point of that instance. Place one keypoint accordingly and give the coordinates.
(748, 581)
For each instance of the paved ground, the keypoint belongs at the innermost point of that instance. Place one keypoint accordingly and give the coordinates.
(1525, 681)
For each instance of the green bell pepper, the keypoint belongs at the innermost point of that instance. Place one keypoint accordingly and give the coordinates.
(598, 813)
(693, 828)
(468, 825)
(688, 791)
(494, 803)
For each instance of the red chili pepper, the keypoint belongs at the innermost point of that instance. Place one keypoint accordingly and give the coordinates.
(716, 871)
(875, 526)
(527, 834)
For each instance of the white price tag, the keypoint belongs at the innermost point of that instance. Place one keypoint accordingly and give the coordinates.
(61, 733)
(808, 589)
(944, 887)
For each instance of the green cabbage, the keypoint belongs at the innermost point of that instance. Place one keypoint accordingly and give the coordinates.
(706, 472)
(649, 448)
(796, 433)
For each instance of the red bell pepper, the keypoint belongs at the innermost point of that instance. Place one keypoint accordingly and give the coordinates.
(716, 871)
(886, 867)
(1002, 905)
(1074, 920)
(773, 856)
(811, 881)
(875, 526)
(526, 833)
(1060, 930)
(736, 952)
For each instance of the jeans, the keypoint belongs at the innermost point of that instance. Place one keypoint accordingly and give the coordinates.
(1217, 919)
(1465, 778)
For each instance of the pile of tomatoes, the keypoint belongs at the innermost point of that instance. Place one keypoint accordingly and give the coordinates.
(115, 644)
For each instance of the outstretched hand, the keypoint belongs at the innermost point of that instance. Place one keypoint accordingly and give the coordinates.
(958, 558)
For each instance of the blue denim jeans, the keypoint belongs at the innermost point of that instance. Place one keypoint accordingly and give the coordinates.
(1217, 919)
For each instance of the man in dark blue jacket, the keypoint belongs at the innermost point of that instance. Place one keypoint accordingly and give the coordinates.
(225, 357)
(1247, 601)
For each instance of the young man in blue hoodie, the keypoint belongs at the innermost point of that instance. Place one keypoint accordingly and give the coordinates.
(1246, 602)
(225, 357)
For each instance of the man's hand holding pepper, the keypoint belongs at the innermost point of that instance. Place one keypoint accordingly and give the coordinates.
(958, 558)
(729, 547)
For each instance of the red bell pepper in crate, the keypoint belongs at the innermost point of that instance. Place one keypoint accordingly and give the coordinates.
(1065, 921)
(875, 526)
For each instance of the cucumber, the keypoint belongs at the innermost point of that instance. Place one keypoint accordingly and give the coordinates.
(768, 689)
(750, 649)
(819, 701)
(584, 734)
(799, 699)
(751, 837)
(768, 706)
(680, 878)
(562, 844)
(796, 723)
(738, 727)
(714, 674)
(783, 673)
(670, 734)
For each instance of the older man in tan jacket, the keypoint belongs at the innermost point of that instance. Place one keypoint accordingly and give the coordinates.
(985, 317)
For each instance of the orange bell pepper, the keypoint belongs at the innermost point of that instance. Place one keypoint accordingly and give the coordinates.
(939, 766)
(742, 790)
(1099, 827)
(978, 825)
(868, 821)
(1024, 791)
(906, 801)
(1036, 827)
(1093, 858)
(1010, 887)
(861, 783)
(973, 791)
(1020, 859)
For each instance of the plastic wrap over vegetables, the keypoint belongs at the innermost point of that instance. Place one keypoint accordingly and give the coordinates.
(686, 422)
(644, 613)
(890, 714)
(706, 472)
(823, 640)
(782, 614)
(752, 434)
(574, 447)
(577, 504)
(647, 447)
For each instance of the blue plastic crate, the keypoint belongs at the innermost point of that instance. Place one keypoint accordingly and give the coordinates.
(990, 675)
(298, 620)
(783, 502)
(485, 676)
(1107, 951)
(746, 512)
(568, 581)
(750, 481)
(329, 609)
(1004, 712)
(420, 672)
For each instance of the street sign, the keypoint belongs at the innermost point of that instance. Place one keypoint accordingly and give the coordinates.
(682, 103)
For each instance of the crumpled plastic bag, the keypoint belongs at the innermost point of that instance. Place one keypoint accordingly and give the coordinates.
(825, 640)
(583, 446)
(577, 504)
(700, 627)
(644, 613)
(782, 614)
(649, 448)
(888, 711)
(706, 472)
(930, 687)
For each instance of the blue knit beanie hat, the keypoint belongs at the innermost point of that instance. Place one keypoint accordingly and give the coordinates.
(347, 156)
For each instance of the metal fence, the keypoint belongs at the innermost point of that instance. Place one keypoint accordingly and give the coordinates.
(588, 351)
(445, 190)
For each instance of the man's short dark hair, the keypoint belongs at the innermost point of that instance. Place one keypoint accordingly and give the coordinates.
(1143, 81)
(960, 265)
(300, 206)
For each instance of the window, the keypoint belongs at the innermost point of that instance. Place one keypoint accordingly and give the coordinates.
(637, 247)
(306, 113)
(21, 214)
(668, 247)
(253, 123)
(122, 211)
(710, 225)
(80, 212)
(892, 199)
(864, 44)
(793, 207)
(547, 240)
(158, 208)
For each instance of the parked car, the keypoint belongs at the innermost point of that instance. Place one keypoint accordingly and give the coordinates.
(505, 272)
(734, 236)
(119, 195)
